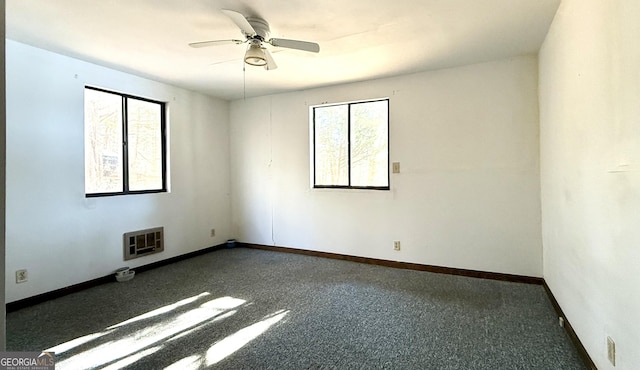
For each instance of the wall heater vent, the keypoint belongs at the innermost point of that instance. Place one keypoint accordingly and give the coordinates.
(143, 242)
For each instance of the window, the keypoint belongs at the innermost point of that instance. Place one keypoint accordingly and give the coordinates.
(125, 145)
(351, 145)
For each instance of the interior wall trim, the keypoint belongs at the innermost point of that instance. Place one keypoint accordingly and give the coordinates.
(569, 329)
(40, 298)
(404, 265)
(446, 270)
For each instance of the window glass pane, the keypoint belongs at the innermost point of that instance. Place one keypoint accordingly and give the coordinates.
(103, 142)
(145, 145)
(331, 146)
(369, 144)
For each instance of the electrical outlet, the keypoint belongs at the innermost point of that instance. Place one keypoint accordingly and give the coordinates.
(561, 321)
(396, 245)
(396, 167)
(213, 232)
(611, 351)
(22, 276)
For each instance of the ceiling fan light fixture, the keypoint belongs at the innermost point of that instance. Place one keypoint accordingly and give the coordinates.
(255, 56)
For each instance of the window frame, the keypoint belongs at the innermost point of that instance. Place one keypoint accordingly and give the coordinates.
(349, 143)
(125, 148)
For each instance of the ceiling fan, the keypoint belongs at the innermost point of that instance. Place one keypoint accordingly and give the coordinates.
(256, 33)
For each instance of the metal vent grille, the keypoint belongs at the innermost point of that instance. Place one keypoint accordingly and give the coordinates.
(143, 242)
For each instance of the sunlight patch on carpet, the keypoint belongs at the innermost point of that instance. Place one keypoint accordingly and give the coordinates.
(239, 339)
(125, 344)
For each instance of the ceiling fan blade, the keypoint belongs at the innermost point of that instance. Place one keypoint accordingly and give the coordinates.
(296, 44)
(203, 44)
(240, 21)
(271, 64)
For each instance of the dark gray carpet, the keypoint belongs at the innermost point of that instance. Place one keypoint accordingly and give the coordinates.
(287, 311)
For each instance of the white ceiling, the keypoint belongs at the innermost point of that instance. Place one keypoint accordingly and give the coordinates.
(359, 39)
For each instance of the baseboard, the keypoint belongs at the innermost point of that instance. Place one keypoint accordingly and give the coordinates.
(445, 270)
(181, 257)
(572, 334)
(16, 305)
(40, 298)
(404, 265)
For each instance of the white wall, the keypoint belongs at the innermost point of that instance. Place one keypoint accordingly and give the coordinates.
(60, 236)
(468, 194)
(590, 172)
(3, 152)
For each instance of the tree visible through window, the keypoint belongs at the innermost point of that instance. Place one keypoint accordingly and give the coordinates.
(351, 145)
(124, 144)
